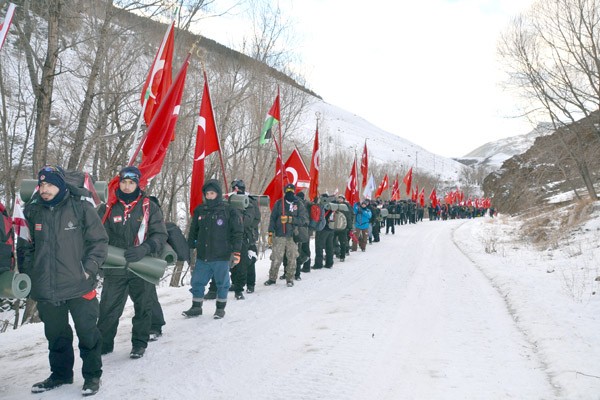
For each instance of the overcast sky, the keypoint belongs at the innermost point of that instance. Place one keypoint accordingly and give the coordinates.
(424, 70)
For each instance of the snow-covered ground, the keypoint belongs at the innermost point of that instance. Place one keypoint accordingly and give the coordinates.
(440, 310)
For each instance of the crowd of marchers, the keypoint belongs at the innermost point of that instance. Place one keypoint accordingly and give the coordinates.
(66, 256)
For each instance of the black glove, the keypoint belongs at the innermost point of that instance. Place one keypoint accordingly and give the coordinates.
(136, 253)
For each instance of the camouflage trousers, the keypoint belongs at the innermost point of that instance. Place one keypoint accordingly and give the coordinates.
(283, 246)
(363, 236)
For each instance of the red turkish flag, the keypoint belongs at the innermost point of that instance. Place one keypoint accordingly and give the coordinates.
(315, 165)
(408, 181)
(295, 172)
(351, 193)
(433, 198)
(382, 186)
(207, 142)
(364, 166)
(162, 129)
(160, 76)
(395, 190)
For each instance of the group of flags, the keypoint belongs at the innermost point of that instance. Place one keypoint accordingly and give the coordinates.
(368, 182)
(161, 99)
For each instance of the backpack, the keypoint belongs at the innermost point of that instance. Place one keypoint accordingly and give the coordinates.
(317, 218)
(338, 221)
(76, 182)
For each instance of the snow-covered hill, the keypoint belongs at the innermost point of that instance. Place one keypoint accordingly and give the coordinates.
(350, 131)
(492, 154)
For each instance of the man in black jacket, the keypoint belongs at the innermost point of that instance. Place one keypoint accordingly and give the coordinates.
(136, 224)
(216, 234)
(67, 247)
(246, 267)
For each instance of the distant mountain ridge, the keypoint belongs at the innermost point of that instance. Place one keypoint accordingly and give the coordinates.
(493, 154)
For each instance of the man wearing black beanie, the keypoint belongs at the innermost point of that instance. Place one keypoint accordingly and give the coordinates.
(67, 247)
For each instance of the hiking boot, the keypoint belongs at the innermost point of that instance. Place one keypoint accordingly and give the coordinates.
(282, 277)
(90, 386)
(298, 277)
(220, 311)
(137, 352)
(195, 310)
(317, 267)
(154, 335)
(329, 266)
(210, 295)
(290, 283)
(239, 296)
(50, 383)
(250, 289)
(270, 282)
(305, 269)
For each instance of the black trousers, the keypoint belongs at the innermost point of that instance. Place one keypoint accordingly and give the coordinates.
(60, 336)
(342, 238)
(303, 254)
(251, 269)
(112, 302)
(376, 230)
(239, 273)
(158, 318)
(324, 242)
(389, 223)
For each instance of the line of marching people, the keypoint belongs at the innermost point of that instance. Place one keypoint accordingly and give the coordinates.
(69, 246)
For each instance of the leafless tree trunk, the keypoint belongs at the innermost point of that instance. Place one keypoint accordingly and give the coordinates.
(44, 89)
(90, 92)
(552, 56)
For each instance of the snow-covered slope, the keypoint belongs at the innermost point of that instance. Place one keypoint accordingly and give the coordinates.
(349, 131)
(493, 154)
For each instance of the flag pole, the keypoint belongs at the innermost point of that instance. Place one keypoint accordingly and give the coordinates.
(280, 157)
(216, 130)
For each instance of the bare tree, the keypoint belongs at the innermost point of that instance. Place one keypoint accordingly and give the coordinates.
(552, 57)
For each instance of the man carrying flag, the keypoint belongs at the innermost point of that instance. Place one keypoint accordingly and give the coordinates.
(136, 225)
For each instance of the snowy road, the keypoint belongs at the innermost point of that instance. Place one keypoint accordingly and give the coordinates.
(410, 318)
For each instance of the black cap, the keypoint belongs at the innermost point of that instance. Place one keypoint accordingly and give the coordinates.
(239, 184)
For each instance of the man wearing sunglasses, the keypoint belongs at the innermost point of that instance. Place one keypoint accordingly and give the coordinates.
(67, 247)
(135, 224)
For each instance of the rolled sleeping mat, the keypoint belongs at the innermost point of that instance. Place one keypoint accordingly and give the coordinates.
(168, 254)
(28, 188)
(14, 285)
(343, 207)
(262, 199)
(239, 201)
(148, 268)
(102, 190)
